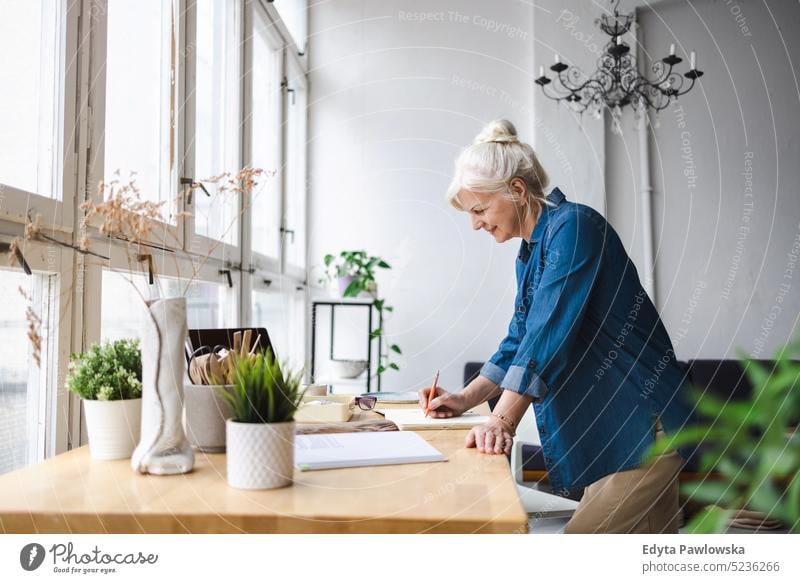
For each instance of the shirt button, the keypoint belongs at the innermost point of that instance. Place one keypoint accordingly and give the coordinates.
(532, 364)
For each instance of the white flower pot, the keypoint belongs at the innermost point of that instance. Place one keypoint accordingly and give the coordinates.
(204, 416)
(260, 455)
(113, 427)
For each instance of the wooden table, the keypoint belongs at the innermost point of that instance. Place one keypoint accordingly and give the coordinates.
(71, 493)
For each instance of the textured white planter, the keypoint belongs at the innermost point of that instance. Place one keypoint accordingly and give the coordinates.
(163, 449)
(204, 416)
(113, 427)
(260, 455)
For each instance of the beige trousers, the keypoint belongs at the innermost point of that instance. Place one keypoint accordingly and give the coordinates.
(640, 500)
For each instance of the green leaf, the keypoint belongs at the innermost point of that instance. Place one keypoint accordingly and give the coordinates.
(780, 459)
(375, 333)
(388, 309)
(793, 503)
(708, 491)
(328, 259)
(263, 390)
(353, 289)
(383, 264)
(686, 436)
(393, 366)
(709, 520)
(396, 348)
(764, 499)
(381, 369)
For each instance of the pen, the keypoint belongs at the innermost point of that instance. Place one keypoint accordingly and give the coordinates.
(432, 394)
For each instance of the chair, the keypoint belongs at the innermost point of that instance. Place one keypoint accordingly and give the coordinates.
(524, 456)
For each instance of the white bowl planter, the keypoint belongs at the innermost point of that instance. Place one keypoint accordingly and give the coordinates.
(114, 427)
(204, 416)
(260, 456)
(348, 369)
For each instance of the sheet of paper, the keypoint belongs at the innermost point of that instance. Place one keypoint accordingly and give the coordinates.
(411, 419)
(345, 450)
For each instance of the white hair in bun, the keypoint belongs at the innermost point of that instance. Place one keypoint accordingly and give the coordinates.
(494, 158)
(500, 131)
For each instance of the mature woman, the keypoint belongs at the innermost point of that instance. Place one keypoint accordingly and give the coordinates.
(585, 345)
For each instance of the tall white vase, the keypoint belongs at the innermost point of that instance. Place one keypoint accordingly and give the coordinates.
(163, 448)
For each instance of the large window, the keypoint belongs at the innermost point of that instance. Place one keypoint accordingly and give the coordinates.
(282, 313)
(138, 96)
(265, 133)
(18, 404)
(217, 119)
(166, 92)
(30, 74)
(38, 110)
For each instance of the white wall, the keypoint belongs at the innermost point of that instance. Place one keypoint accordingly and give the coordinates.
(394, 99)
(392, 102)
(726, 243)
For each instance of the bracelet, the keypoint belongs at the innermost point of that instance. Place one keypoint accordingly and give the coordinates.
(510, 425)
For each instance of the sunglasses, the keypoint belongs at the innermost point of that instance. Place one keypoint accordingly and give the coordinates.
(366, 403)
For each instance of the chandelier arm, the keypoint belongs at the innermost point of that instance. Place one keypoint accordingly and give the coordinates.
(581, 87)
(555, 96)
(679, 92)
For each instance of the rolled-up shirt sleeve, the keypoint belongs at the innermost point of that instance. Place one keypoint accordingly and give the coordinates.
(496, 367)
(558, 306)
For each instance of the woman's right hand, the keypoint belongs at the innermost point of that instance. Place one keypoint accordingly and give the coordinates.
(444, 404)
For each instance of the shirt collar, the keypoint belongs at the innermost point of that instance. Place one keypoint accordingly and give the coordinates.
(556, 197)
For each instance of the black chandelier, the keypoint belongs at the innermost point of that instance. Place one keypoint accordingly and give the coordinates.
(617, 81)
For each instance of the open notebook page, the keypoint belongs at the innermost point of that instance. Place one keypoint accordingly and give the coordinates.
(411, 419)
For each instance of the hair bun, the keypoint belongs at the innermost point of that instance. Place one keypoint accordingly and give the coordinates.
(500, 131)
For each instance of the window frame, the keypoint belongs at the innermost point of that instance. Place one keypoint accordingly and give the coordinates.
(255, 259)
(16, 204)
(194, 242)
(174, 234)
(295, 76)
(75, 279)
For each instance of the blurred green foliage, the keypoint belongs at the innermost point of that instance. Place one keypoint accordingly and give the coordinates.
(752, 445)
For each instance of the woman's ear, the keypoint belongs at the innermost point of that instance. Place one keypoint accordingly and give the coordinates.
(518, 188)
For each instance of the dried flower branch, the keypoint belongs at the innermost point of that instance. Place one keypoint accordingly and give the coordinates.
(34, 327)
(124, 215)
(122, 212)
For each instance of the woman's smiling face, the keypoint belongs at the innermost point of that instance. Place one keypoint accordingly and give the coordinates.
(498, 214)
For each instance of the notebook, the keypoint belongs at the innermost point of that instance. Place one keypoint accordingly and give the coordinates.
(412, 419)
(349, 450)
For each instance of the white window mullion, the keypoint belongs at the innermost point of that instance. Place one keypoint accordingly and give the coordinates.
(264, 147)
(295, 239)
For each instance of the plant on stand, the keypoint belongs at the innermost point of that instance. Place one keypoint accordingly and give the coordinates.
(355, 271)
(108, 379)
(263, 399)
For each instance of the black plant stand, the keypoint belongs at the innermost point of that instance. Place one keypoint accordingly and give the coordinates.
(333, 305)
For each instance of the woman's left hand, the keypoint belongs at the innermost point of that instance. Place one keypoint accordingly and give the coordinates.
(493, 437)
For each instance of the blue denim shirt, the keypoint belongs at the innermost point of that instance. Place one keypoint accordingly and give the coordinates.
(587, 344)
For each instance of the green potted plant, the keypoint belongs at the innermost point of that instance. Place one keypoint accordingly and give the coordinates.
(355, 271)
(263, 399)
(108, 378)
(751, 447)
